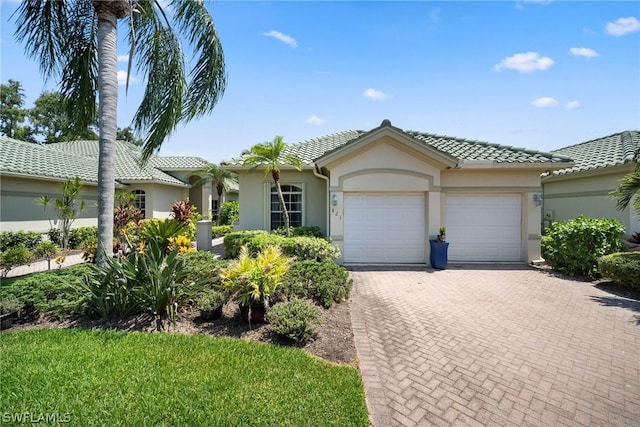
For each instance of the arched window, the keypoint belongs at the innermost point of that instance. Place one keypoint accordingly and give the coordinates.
(140, 201)
(293, 201)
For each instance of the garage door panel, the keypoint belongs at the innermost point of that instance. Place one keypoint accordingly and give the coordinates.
(484, 227)
(384, 228)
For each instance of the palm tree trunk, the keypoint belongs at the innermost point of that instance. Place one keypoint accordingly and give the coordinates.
(283, 206)
(219, 190)
(107, 111)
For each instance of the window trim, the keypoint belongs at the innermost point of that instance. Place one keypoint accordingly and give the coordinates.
(141, 196)
(267, 196)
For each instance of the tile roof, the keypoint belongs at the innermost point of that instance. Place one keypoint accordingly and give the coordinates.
(79, 158)
(616, 149)
(459, 148)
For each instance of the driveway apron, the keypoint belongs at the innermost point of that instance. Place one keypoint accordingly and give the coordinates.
(495, 346)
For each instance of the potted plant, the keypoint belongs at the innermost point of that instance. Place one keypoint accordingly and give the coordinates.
(253, 281)
(9, 309)
(210, 303)
(439, 249)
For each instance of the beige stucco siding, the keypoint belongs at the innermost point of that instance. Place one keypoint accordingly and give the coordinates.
(254, 198)
(587, 193)
(19, 208)
(159, 198)
(490, 178)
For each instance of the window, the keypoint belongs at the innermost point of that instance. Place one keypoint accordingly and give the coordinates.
(140, 201)
(292, 200)
(214, 209)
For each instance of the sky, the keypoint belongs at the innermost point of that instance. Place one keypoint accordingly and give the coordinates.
(537, 74)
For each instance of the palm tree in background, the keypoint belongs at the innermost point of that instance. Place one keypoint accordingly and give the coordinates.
(272, 156)
(75, 40)
(629, 187)
(220, 180)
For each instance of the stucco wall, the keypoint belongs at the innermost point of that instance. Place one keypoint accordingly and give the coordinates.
(587, 193)
(160, 198)
(19, 208)
(254, 198)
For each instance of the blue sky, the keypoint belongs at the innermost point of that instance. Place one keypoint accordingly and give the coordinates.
(534, 74)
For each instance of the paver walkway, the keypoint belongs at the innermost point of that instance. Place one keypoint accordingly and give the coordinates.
(495, 346)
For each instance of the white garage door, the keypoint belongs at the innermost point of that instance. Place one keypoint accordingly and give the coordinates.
(484, 228)
(384, 228)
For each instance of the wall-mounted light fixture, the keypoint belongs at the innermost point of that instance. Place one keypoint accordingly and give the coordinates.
(537, 199)
(334, 200)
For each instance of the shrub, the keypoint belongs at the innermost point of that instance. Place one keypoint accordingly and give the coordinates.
(203, 268)
(326, 282)
(300, 247)
(294, 319)
(10, 304)
(221, 230)
(233, 242)
(47, 250)
(142, 281)
(306, 231)
(623, 268)
(310, 248)
(574, 246)
(14, 257)
(51, 292)
(10, 239)
(210, 303)
(78, 236)
(229, 213)
(90, 249)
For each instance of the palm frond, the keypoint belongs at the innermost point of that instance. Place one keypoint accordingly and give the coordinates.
(208, 78)
(628, 188)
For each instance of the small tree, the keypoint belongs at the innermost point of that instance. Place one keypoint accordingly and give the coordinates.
(273, 156)
(220, 180)
(47, 250)
(67, 208)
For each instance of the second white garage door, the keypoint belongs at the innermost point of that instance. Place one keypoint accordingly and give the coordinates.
(484, 227)
(384, 228)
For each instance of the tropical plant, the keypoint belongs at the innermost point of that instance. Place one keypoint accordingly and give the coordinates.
(621, 267)
(76, 40)
(273, 157)
(210, 303)
(254, 280)
(181, 210)
(162, 231)
(9, 239)
(229, 213)
(14, 257)
(325, 282)
(67, 209)
(47, 250)
(220, 179)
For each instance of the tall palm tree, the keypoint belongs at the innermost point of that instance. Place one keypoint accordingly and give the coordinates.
(219, 179)
(273, 156)
(75, 40)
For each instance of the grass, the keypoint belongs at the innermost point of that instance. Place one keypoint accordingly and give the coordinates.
(140, 379)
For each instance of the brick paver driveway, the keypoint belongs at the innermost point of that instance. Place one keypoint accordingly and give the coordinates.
(495, 346)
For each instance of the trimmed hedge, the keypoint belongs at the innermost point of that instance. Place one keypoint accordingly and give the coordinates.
(303, 248)
(621, 267)
(10, 239)
(294, 319)
(325, 282)
(574, 246)
(221, 230)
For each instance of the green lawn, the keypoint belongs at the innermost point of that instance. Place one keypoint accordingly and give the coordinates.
(141, 379)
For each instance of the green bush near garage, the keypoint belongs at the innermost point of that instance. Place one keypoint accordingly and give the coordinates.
(574, 246)
(303, 248)
(622, 267)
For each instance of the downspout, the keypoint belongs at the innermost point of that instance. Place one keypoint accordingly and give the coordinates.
(316, 172)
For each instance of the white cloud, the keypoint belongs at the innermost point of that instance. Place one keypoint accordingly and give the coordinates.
(123, 58)
(572, 105)
(623, 26)
(315, 120)
(122, 78)
(583, 51)
(282, 37)
(527, 62)
(376, 95)
(544, 102)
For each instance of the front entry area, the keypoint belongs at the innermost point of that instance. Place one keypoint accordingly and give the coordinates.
(384, 228)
